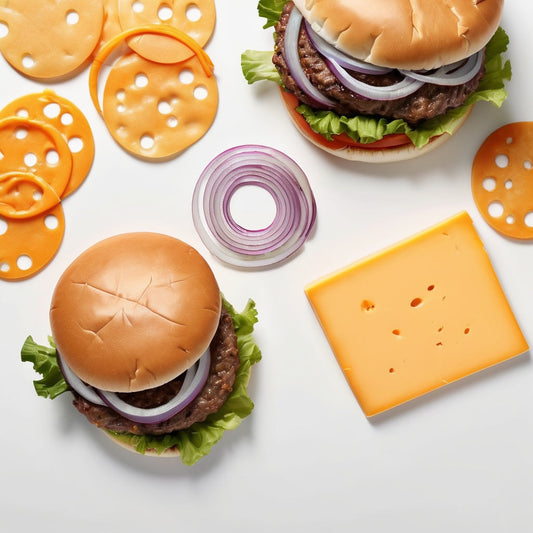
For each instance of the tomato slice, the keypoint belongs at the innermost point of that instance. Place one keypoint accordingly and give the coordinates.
(339, 141)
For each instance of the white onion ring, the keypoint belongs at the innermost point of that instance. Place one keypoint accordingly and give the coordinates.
(84, 390)
(193, 383)
(259, 166)
(346, 61)
(403, 88)
(454, 74)
(292, 59)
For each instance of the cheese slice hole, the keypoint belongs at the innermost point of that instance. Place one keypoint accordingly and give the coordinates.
(416, 302)
(147, 142)
(30, 159)
(164, 12)
(75, 144)
(4, 29)
(51, 222)
(489, 184)
(72, 18)
(164, 107)
(67, 119)
(528, 219)
(186, 76)
(137, 7)
(3, 226)
(200, 92)
(27, 61)
(193, 13)
(24, 262)
(22, 113)
(52, 157)
(172, 122)
(141, 80)
(51, 110)
(495, 209)
(510, 219)
(502, 161)
(21, 133)
(527, 164)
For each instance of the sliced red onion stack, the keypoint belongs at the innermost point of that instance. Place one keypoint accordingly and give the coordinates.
(263, 167)
(341, 65)
(193, 382)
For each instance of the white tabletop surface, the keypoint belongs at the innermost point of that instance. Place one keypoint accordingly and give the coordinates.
(307, 459)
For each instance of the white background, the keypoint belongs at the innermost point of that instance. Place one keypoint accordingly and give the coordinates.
(307, 459)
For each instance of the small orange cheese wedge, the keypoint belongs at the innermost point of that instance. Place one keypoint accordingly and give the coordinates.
(196, 19)
(68, 120)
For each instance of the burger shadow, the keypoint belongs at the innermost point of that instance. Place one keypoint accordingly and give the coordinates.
(71, 423)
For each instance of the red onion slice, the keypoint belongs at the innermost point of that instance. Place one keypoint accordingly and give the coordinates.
(271, 170)
(398, 90)
(292, 59)
(346, 61)
(454, 74)
(193, 383)
(84, 390)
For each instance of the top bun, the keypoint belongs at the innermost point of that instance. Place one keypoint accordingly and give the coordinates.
(134, 311)
(409, 34)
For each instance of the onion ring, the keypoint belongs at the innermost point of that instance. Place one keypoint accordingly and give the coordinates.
(195, 378)
(292, 59)
(271, 170)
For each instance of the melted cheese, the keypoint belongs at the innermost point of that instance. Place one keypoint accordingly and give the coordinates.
(423, 313)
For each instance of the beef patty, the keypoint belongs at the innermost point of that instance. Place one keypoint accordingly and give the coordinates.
(223, 368)
(427, 102)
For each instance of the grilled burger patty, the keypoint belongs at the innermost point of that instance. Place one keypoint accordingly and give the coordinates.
(429, 101)
(224, 365)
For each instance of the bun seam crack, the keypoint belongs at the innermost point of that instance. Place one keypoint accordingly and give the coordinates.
(131, 301)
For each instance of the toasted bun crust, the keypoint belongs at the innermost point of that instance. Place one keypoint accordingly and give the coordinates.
(410, 34)
(134, 311)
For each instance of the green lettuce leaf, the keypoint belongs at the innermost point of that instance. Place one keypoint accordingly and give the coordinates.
(271, 10)
(365, 129)
(44, 359)
(195, 442)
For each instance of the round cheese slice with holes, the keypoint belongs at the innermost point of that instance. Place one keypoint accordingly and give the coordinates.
(68, 120)
(49, 39)
(28, 245)
(502, 180)
(25, 195)
(196, 18)
(35, 147)
(155, 111)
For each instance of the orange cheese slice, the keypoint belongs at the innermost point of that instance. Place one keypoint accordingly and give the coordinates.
(502, 180)
(28, 245)
(49, 39)
(68, 120)
(111, 26)
(157, 29)
(35, 147)
(195, 18)
(416, 316)
(156, 110)
(24, 195)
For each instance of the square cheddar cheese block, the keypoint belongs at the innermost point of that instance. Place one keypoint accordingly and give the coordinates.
(418, 315)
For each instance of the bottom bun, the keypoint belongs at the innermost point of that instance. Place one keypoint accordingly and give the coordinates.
(390, 154)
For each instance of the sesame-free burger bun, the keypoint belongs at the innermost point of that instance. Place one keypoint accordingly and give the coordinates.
(409, 34)
(134, 311)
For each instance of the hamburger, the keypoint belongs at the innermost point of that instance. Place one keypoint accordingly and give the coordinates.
(151, 351)
(385, 80)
